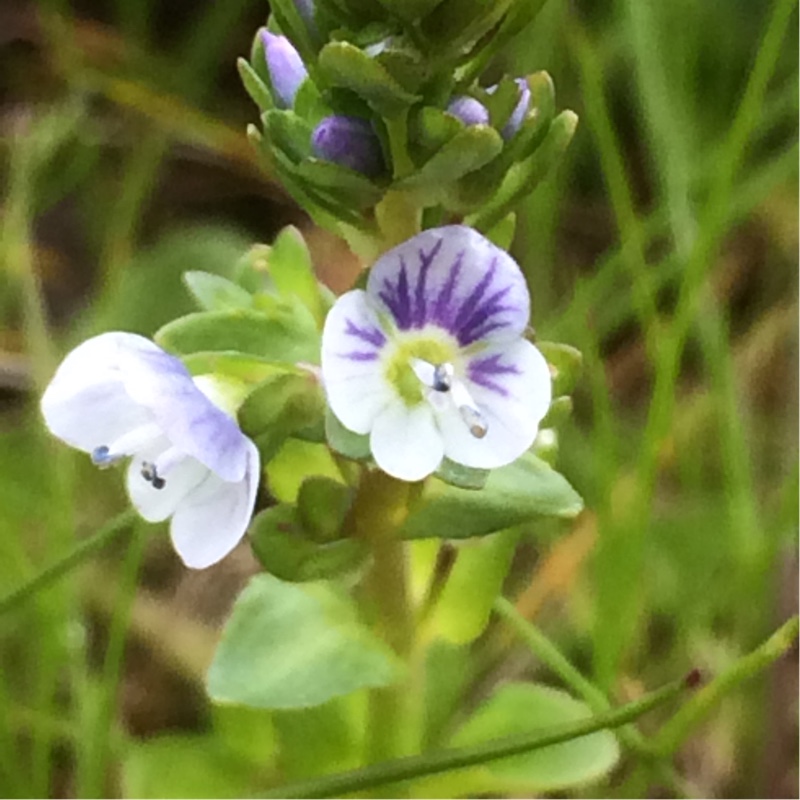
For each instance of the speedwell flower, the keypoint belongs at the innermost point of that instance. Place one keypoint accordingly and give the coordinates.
(430, 360)
(286, 68)
(469, 110)
(120, 396)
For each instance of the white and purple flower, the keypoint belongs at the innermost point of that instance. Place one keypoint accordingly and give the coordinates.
(430, 360)
(120, 396)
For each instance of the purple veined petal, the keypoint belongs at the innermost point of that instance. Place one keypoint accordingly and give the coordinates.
(469, 110)
(456, 279)
(286, 68)
(156, 505)
(162, 384)
(517, 117)
(350, 142)
(86, 404)
(352, 344)
(405, 441)
(511, 386)
(213, 517)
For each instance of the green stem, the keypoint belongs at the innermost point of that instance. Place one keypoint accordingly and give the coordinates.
(595, 698)
(672, 735)
(456, 758)
(83, 552)
(379, 508)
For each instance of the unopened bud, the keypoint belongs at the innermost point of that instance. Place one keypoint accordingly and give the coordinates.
(350, 142)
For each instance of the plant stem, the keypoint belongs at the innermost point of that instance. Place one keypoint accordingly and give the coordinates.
(379, 508)
(673, 734)
(83, 552)
(443, 761)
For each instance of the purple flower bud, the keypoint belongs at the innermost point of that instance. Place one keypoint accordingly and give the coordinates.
(286, 70)
(469, 110)
(350, 142)
(520, 110)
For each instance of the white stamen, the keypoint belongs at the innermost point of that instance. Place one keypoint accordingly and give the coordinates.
(126, 445)
(169, 459)
(440, 378)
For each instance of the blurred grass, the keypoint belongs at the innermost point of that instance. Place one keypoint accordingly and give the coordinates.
(666, 249)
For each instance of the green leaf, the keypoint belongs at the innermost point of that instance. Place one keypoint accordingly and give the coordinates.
(295, 461)
(518, 493)
(292, 271)
(293, 646)
(468, 150)
(429, 129)
(458, 475)
(566, 363)
(215, 293)
(255, 87)
(185, 766)
(348, 444)
(478, 574)
(243, 367)
(559, 412)
(282, 337)
(348, 67)
(518, 708)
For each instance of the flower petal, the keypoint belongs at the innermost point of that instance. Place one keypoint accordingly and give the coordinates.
(212, 518)
(86, 404)
(161, 383)
(456, 279)
(511, 386)
(352, 342)
(405, 441)
(155, 505)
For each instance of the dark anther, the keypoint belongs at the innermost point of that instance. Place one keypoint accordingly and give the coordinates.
(151, 476)
(443, 378)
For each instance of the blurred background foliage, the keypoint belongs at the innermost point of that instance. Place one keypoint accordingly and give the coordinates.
(665, 249)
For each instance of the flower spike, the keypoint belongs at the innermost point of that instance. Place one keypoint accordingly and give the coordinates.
(430, 360)
(119, 396)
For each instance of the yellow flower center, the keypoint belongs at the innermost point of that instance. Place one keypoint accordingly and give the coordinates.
(424, 345)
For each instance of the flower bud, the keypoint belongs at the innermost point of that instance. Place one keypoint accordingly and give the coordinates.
(350, 142)
(520, 110)
(469, 110)
(305, 8)
(286, 69)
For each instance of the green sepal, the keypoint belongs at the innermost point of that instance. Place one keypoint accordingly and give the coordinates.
(468, 150)
(322, 505)
(288, 133)
(566, 363)
(515, 494)
(502, 234)
(501, 102)
(354, 446)
(309, 103)
(525, 176)
(292, 271)
(458, 475)
(517, 709)
(254, 86)
(405, 65)
(346, 66)
(283, 405)
(546, 446)
(345, 184)
(284, 336)
(559, 412)
(290, 645)
(410, 10)
(215, 293)
(455, 25)
(429, 130)
(281, 545)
